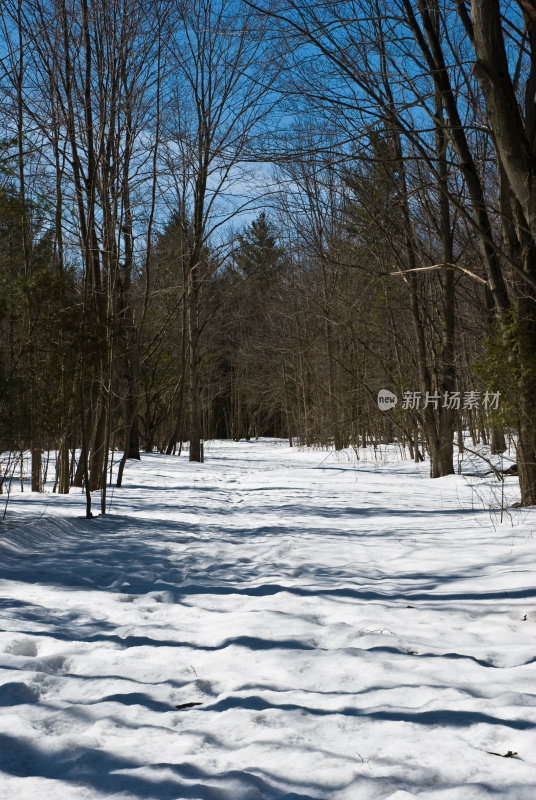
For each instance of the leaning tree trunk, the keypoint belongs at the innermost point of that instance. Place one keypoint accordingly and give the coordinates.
(513, 134)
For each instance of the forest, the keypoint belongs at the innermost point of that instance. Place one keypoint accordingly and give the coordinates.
(245, 218)
(267, 399)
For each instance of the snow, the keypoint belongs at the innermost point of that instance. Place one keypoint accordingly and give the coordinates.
(350, 630)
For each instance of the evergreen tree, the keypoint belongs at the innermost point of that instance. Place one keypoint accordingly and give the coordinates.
(258, 256)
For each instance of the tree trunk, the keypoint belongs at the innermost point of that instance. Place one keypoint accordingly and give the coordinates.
(96, 458)
(498, 442)
(37, 471)
(63, 466)
(526, 463)
(195, 432)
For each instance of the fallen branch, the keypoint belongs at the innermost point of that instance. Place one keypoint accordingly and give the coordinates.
(497, 473)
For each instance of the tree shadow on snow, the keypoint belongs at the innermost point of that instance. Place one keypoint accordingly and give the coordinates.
(108, 773)
(436, 718)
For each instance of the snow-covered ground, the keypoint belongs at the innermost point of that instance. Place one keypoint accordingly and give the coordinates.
(274, 623)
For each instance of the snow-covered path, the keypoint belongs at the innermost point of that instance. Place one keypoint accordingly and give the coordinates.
(346, 630)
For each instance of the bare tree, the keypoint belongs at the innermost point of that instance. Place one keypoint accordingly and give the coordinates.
(511, 112)
(220, 101)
